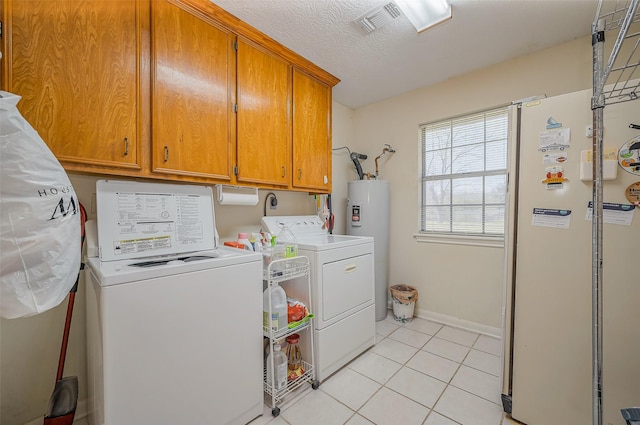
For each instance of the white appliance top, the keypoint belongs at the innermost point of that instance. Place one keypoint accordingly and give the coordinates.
(110, 273)
(139, 219)
(310, 232)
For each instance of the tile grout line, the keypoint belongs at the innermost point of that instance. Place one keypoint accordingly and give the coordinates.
(404, 365)
(449, 383)
(460, 364)
(384, 385)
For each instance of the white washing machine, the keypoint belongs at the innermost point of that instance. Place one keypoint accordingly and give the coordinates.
(342, 289)
(174, 338)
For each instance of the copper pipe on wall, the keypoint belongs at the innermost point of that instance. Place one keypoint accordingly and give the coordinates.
(387, 149)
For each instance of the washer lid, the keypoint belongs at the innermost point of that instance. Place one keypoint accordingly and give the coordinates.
(139, 219)
(109, 273)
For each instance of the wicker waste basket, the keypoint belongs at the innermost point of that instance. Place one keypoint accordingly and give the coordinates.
(404, 299)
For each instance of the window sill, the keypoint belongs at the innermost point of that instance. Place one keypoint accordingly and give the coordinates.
(484, 241)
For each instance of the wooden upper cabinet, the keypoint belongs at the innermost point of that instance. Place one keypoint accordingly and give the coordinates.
(311, 133)
(264, 117)
(193, 74)
(167, 89)
(76, 66)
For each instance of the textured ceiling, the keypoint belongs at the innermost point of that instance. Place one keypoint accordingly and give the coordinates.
(395, 59)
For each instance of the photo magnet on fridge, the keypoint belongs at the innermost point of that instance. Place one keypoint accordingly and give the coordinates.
(554, 177)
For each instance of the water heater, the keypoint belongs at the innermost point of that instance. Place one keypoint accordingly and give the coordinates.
(368, 215)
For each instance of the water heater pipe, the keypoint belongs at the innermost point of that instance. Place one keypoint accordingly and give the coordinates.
(355, 157)
(387, 149)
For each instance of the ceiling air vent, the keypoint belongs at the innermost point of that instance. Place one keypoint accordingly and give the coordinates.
(378, 16)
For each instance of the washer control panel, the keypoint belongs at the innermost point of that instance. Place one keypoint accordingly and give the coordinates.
(300, 225)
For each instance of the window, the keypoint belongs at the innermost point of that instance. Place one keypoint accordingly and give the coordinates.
(464, 175)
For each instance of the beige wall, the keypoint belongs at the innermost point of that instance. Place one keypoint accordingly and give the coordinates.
(453, 281)
(459, 283)
(343, 170)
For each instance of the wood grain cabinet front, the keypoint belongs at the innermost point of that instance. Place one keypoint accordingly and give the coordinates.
(167, 89)
(264, 117)
(311, 133)
(193, 72)
(76, 67)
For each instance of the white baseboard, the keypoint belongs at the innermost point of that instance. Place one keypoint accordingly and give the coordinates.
(453, 321)
(457, 322)
(78, 418)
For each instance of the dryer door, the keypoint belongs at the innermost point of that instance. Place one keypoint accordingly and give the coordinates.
(346, 286)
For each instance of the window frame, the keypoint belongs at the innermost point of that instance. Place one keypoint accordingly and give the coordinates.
(484, 238)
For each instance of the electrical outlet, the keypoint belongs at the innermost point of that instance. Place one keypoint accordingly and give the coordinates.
(589, 131)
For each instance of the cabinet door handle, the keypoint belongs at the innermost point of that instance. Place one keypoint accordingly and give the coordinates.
(350, 268)
(284, 171)
(126, 146)
(299, 173)
(166, 153)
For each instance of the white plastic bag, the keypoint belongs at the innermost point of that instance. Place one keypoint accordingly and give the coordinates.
(39, 220)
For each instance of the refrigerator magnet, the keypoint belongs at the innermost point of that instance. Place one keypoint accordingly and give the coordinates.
(552, 123)
(554, 158)
(554, 177)
(554, 140)
(633, 194)
(629, 156)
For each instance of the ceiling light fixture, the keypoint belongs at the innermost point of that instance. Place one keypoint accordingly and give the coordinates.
(424, 14)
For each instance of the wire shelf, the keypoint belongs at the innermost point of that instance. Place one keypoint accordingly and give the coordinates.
(279, 394)
(620, 79)
(285, 332)
(613, 13)
(286, 268)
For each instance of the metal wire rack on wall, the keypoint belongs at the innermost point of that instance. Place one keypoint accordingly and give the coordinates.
(614, 80)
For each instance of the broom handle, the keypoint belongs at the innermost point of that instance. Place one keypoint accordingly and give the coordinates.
(72, 298)
(67, 328)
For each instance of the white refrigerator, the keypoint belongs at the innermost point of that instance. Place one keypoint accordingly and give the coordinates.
(547, 375)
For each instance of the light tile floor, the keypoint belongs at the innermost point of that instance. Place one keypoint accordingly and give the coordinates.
(420, 372)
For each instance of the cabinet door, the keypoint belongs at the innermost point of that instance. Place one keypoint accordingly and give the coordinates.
(311, 133)
(192, 74)
(75, 65)
(263, 119)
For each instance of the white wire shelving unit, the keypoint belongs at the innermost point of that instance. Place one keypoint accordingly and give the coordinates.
(280, 271)
(616, 79)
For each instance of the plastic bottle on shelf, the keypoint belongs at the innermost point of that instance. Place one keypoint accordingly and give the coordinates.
(278, 319)
(294, 358)
(243, 239)
(279, 368)
(254, 239)
(288, 241)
